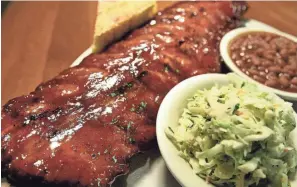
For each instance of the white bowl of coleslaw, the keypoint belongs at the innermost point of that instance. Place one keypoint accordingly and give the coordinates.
(169, 115)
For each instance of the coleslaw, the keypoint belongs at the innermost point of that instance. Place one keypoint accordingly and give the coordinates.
(237, 135)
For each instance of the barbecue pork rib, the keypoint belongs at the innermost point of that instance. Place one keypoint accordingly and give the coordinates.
(82, 127)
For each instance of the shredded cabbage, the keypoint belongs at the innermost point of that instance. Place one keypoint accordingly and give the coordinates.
(237, 135)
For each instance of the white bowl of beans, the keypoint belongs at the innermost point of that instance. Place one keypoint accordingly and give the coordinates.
(267, 57)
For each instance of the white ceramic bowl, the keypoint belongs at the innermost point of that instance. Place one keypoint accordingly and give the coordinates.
(224, 46)
(168, 115)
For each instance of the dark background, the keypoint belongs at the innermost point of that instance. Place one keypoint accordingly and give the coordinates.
(4, 4)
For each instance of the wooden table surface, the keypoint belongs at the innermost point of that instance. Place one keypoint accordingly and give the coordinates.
(39, 39)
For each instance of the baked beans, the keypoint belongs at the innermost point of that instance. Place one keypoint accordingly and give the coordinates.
(268, 58)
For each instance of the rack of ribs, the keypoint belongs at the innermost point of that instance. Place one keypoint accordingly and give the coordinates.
(82, 127)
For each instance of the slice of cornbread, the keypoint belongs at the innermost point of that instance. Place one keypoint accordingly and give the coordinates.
(115, 18)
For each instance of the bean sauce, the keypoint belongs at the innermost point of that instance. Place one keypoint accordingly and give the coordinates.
(267, 58)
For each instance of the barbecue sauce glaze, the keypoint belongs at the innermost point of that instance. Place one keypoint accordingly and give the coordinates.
(81, 127)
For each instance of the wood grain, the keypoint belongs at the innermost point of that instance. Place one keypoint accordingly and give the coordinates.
(40, 39)
(279, 14)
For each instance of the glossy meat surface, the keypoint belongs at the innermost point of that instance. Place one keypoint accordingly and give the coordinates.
(81, 127)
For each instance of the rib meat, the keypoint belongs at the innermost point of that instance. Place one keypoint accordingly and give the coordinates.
(81, 127)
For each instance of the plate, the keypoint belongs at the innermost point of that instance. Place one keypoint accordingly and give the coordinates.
(169, 114)
(149, 169)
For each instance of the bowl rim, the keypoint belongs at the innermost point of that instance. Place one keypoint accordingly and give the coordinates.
(228, 61)
(212, 78)
(162, 139)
